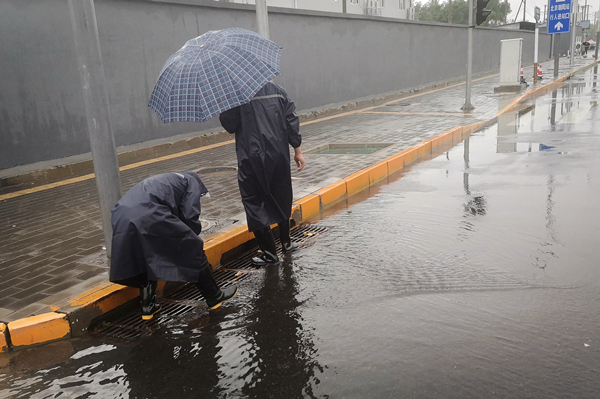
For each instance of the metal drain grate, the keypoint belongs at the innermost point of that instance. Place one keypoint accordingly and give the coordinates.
(187, 298)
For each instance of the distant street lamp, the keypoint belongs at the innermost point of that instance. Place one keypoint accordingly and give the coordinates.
(468, 106)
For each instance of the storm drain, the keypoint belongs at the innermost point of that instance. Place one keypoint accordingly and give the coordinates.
(187, 298)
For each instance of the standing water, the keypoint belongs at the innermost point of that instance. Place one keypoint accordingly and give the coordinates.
(471, 275)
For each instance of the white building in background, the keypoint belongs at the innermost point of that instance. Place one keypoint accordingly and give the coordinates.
(402, 9)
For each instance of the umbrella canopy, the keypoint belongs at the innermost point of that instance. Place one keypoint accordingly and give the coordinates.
(212, 73)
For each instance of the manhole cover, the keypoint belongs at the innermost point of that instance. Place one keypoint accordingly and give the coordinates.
(349, 148)
(217, 171)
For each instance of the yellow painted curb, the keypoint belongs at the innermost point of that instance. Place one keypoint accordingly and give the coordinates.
(215, 246)
(410, 155)
(436, 142)
(101, 299)
(4, 346)
(97, 295)
(377, 172)
(457, 135)
(546, 87)
(423, 148)
(357, 182)
(309, 205)
(39, 329)
(395, 163)
(332, 193)
(473, 127)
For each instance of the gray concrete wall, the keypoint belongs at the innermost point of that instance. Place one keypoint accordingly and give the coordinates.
(328, 58)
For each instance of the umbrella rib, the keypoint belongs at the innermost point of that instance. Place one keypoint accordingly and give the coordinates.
(212, 63)
(207, 77)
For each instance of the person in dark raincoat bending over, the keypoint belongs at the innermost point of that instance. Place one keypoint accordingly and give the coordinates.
(264, 128)
(155, 238)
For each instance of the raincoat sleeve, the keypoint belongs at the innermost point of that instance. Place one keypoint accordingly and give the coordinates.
(293, 122)
(231, 119)
(189, 207)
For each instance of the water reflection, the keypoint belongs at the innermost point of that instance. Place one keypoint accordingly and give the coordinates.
(284, 352)
(528, 129)
(553, 108)
(181, 361)
(260, 350)
(545, 251)
(61, 371)
(476, 204)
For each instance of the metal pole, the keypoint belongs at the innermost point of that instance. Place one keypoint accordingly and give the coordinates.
(556, 55)
(597, 40)
(262, 18)
(467, 106)
(524, 7)
(535, 53)
(553, 109)
(573, 31)
(95, 98)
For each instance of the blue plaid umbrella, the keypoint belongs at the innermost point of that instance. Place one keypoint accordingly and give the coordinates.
(212, 73)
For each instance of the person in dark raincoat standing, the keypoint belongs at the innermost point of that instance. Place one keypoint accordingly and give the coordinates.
(264, 128)
(155, 238)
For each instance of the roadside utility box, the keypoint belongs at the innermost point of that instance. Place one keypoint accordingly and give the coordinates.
(510, 65)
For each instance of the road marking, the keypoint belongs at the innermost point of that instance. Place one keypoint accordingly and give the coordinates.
(364, 110)
(576, 115)
(122, 168)
(426, 113)
(196, 150)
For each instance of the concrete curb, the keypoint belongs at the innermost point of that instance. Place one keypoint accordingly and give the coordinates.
(73, 318)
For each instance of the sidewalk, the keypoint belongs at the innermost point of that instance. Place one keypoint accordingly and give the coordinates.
(52, 259)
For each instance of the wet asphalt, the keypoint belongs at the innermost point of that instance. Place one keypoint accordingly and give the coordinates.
(472, 274)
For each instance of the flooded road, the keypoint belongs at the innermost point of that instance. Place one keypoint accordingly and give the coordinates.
(471, 275)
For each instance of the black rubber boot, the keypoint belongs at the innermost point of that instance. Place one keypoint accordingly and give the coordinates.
(266, 243)
(211, 292)
(148, 300)
(287, 245)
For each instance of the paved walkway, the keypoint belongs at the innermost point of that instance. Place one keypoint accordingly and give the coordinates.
(51, 240)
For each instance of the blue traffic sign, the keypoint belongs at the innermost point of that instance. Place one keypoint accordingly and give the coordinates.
(559, 16)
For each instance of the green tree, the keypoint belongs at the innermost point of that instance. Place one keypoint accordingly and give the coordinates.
(432, 11)
(455, 11)
(458, 12)
(500, 9)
